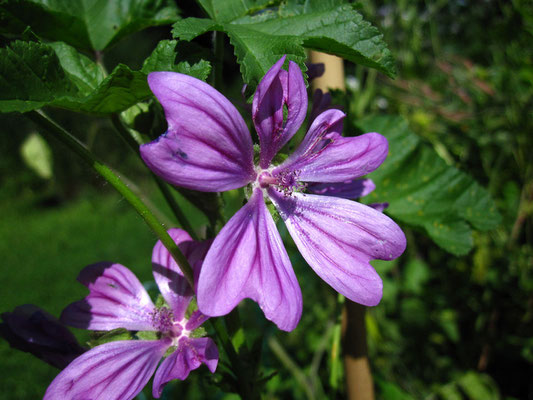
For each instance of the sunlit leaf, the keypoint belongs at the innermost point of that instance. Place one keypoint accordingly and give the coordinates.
(425, 192)
(260, 39)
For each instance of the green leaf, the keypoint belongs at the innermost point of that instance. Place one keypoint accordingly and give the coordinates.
(37, 155)
(424, 191)
(33, 75)
(259, 40)
(341, 31)
(81, 70)
(119, 91)
(229, 10)
(147, 335)
(111, 336)
(256, 52)
(189, 28)
(163, 59)
(94, 25)
(30, 77)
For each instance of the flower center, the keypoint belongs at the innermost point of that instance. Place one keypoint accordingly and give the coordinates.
(163, 319)
(285, 181)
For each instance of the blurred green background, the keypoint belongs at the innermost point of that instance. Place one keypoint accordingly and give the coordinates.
(448, 327)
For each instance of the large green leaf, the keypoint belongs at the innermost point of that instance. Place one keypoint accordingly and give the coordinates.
(33, 75)
(85, 24)
(30, 77)
(256, 52)
(340, 30)
(424, 191)
(229, 10)
(81, 70)
(260, 39)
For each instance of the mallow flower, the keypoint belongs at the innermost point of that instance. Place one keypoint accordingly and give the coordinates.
(119, 370)
(208, 147)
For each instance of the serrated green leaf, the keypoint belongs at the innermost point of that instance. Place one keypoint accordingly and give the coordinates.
(86, 25)
(30, 77)
(119, 91)
(229, 10)
(256, 52)
(424, 191)
(260, 40)
(163, 59)
(341, 31)
(189, 28)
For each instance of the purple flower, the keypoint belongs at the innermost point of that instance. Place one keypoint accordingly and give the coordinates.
(31, 329)
(120, 369)
(208, 148)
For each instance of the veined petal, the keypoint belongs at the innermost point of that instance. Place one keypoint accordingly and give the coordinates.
(324, 129)
(111, 371)
(207, 146)
(352, 189)
(277, 89)
(190, 354)
(248, 260)
(116, 300)
(196, 320)
(338, 238)
(172, 284)
(325, 156)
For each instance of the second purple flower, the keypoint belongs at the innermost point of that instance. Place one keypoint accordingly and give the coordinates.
(208, 148)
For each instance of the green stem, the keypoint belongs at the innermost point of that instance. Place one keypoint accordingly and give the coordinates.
(171, 201)
(293, 368)
(81, 150)
(336, 366)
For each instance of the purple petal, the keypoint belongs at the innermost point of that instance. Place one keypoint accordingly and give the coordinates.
(321, 102)
(111, 371)
(325, 156)
(116, 300)
(315, 70)
(338, 238)
(248, 260)
(207, 146)
(277, 89)
(172, 284)
(196, 319)
(190, 354)
(352, 189)
(31, 329)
